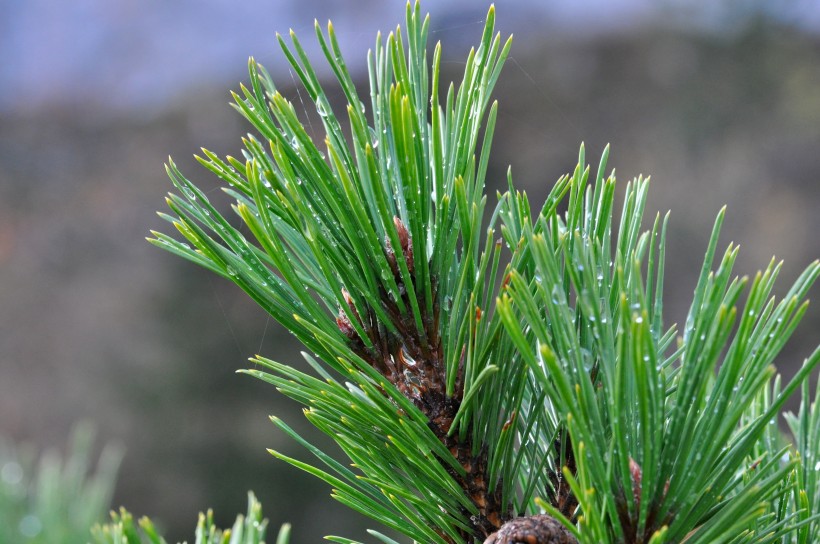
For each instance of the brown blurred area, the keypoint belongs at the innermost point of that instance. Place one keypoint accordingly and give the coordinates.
(97, 325)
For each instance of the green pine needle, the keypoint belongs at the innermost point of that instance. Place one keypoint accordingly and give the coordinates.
(247, 529)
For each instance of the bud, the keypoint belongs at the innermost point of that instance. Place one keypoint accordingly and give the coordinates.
(509, 421)
(351, 308)
(405, 242)
(637, 475)
(636, 472)
(345, 325)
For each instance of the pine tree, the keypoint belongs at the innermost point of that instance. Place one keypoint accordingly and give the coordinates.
(497, 375)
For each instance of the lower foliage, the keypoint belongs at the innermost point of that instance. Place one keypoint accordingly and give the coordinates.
(247, 529)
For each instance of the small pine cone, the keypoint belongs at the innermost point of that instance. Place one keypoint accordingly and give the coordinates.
(538, 529)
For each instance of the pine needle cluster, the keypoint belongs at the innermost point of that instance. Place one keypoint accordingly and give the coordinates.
(496, 374)
(247, 529)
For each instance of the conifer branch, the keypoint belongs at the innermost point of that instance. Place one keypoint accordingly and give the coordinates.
(534, 397)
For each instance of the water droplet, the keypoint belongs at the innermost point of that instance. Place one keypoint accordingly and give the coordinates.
(588, 359)
(558, 295)
(11, 473)
(30, 526)
(784, 458)
(408, 360)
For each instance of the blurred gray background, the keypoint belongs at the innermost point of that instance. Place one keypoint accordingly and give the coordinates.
(718, 101)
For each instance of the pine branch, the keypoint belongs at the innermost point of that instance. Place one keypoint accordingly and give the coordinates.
(667, 430)
(554, 407)
(397, 281)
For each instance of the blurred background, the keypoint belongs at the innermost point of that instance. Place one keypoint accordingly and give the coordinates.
(718, 101)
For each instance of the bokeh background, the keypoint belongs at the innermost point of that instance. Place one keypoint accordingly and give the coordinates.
(718, 101)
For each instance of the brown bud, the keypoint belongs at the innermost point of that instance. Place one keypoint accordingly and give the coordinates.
(351, 308)
(509, 421)
(538, 529)
(637, 474)
(405, 242)
(754, 465)
(345, 325)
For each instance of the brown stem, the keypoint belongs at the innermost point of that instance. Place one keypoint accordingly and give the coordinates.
(563, 498)
(413, 361)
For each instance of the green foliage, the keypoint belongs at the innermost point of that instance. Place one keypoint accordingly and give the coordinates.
(391, 272)
(663, 450)
(805, 426)
(55, 500)
(248, 529)
(468, 379)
